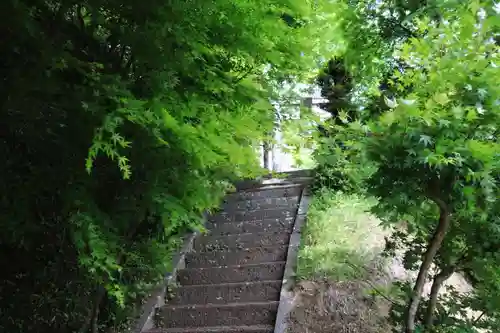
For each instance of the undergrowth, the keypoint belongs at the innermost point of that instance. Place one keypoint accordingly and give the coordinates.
(339, 267)
(339, 237)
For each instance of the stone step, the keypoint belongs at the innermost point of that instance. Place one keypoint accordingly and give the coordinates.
(239, 241)
(235, 257)
(226, 274)
(268, 203)
(218, 329)
(240, 216)
(282, 178)
(246, 292)
(273, 183)
(268, 225)
(218, 315)
(263, 193)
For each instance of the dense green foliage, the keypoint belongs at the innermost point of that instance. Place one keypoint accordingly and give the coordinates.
(434, 146)
(122, 121)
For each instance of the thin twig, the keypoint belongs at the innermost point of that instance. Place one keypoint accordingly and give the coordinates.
(478, 318)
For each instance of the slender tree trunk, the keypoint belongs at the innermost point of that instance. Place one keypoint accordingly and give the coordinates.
(438, 282)
(94, 328)
(92, 321)
(432, 249)
(266, 154)
(273, 158)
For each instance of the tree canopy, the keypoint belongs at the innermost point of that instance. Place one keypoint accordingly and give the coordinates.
(122, 122)
(432, 146)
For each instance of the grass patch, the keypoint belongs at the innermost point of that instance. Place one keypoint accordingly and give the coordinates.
(339, 266)
(339, 237)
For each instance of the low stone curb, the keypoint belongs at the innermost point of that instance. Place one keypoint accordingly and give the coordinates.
(286, 297)
(157, 297)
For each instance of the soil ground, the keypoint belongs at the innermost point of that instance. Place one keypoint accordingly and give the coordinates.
(333, 301)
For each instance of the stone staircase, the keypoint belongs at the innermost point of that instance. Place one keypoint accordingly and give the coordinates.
(231, 277)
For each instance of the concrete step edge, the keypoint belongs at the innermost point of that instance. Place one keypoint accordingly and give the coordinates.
(244, 234)
(232, 210)
(252, 194)
(247, 255)
(214, 218)
(193, 253)
(237, 241)
(235, 266)
(242, 249)
(256, 220)
(226, 202)
(272, 186)
(243, 292)
(259, 201)
(214, 329)
(229, 284)
(211, 306)
(221, 231)
(250, 185)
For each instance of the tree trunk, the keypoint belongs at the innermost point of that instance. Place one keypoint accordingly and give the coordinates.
(274, 166)
(438, 282)
(432, 248)
(266, 155)
(94, 326)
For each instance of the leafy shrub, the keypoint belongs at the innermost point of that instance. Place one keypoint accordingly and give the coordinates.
(340, 164)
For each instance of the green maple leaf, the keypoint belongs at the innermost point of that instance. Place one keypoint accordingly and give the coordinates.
(426, 140)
